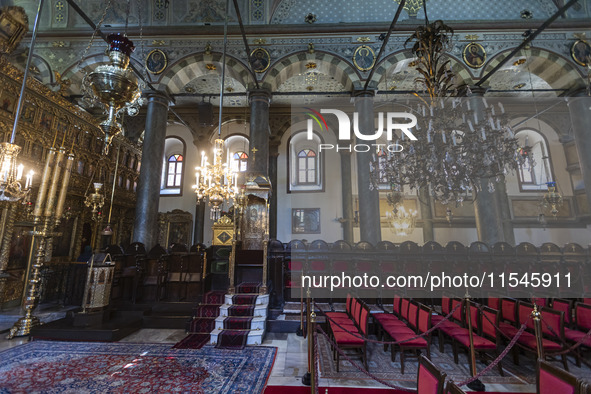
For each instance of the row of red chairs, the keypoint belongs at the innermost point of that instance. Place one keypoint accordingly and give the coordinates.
(349, 328)
(408, 320)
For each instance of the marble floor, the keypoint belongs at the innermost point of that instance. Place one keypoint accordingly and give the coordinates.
(290, 364)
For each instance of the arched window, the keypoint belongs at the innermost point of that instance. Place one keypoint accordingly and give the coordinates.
(174, 171)
(305, 163)
(536, 169)
(173, 167)
(307, 167)
(239, 162)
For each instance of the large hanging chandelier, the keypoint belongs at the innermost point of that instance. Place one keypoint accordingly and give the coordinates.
(95, 201)
(462, 140)
(401, 221)
(217, 182)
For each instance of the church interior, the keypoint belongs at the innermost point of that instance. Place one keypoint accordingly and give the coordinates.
(295, 196)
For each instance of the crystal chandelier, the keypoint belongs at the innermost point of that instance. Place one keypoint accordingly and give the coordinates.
(401, 221)
(95, 201)
(461, 140)
(552, 198)
(217, 182)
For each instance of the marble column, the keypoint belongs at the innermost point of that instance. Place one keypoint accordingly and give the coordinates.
(258, 156)
(426, 214)
(347, 196)
(369, 197)
(273, 155)
(148, 188)
(493, 217)
(579, 107)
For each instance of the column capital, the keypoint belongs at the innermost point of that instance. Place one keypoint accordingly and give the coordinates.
(157, 96)
(259, 95)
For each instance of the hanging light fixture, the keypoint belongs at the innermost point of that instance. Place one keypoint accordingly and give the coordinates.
(11, 172)
(402, 221)
(95, 201)
(114, 85)
(217, 182)
(464, 140)
(552, 199)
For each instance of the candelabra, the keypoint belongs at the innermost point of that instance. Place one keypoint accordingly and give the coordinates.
(47, 214)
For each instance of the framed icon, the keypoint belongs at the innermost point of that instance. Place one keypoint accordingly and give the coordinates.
(474, 55)
(581, 52)
(305, 221)
(364, 58)
(156, 61)
(260, 60)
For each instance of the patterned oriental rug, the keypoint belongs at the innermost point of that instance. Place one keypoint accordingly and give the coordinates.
(74, 367)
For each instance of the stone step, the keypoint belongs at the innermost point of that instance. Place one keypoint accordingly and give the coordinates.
(260, 300)
(257, 323)
(255, 337)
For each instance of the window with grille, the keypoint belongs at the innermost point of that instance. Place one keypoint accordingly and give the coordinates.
(174, 174)
(306, 167)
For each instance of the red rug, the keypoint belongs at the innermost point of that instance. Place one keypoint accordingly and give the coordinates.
(193, 341)
(237, 323)
(232, 339)
(241, 310)
(247, 287)
(244, 299)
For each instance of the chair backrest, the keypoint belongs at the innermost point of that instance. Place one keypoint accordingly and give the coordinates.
(348, 303)
(404, 308)
(509, 309)
(553, 380)
(494, 302)
(424, 318)
(445, 305)
(457, 315)
(490, 319)
(583, 316)
(552, 322)
(474, 316)
(540, 301)
(430, 380)
(524, 310)
(561, 304)
(355, 308)
(396, 305)
(413, 313)
(363, 319)
(453, 388)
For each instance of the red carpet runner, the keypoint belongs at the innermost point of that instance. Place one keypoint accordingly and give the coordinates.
(237, 325)
(343, 390)
(203, 321)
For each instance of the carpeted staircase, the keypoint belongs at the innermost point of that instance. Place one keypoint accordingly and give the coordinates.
(203, 322)
(242, 319)
(228, 321)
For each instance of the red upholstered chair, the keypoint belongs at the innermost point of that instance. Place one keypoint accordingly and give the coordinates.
(347, 312)
(582, 325)
(561, 304)
(430, 380)
(494, 303)
(346, 341)
(484, 333)
(419, 320)
(452, 388)
(553, 380)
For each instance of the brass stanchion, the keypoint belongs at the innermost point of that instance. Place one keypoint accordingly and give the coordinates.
(300, 330)
(311, 345)
(307, 378)
(475, 385)
(537, 316)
